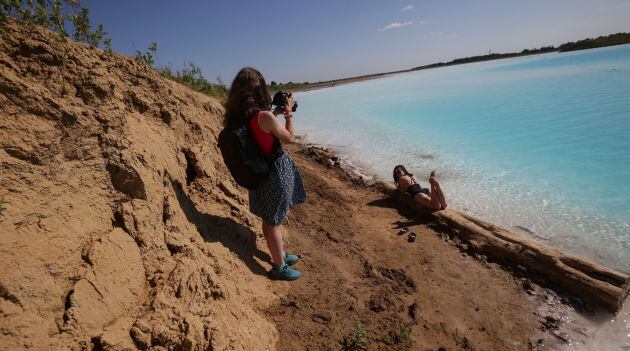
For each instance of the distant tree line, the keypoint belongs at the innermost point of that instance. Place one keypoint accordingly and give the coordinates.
(613, 39)
(274, 87)
(608, 40)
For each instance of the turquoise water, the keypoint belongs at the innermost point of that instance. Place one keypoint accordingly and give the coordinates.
(538, 144)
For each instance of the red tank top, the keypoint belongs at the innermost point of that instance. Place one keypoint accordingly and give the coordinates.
(264, 140)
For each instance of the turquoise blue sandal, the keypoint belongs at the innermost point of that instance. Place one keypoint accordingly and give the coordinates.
(283, 273)
(290, 259)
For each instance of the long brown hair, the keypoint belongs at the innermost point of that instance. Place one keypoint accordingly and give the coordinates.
(404, 170)
(248, 95)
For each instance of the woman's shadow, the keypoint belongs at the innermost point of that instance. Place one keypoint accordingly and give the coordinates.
(234, 236)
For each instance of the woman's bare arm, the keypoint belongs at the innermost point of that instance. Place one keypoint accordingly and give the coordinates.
(270, 124)
(403, 183)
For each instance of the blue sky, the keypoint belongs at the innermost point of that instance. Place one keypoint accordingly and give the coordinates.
(327, 39)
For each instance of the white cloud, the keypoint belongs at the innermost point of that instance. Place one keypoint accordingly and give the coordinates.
(407, 8)
(396, 25)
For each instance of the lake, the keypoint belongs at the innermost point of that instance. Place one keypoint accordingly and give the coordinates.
(539, 144)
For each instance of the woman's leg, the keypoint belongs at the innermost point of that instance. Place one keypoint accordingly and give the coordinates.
(440, 193)
(436, 190)
(429, 201)
(273, 236)
(436, 187)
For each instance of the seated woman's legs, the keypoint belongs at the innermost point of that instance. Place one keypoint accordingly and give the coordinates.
(429, 200)
(436, 188)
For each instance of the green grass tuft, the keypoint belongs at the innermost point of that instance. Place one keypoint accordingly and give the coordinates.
(358, 340)
(2, 203)
(403, 334)
(191, 76)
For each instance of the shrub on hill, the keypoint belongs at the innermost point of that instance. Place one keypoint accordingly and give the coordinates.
(191, 76)
(56, 15)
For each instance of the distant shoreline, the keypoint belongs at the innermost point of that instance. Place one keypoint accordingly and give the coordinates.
(585, 44)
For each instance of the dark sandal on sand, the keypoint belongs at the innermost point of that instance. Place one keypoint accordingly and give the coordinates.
(412, 237)
(403, 231)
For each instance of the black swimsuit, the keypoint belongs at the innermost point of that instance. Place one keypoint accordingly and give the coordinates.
(415, 189)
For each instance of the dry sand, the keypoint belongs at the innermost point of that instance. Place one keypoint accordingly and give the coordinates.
(359, 268)
(124, 231)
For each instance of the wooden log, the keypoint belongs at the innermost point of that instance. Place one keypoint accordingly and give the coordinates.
(595, 284)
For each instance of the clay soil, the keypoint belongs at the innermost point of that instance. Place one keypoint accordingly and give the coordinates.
(358, 268)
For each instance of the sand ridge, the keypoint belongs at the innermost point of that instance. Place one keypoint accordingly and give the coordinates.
(123, 228)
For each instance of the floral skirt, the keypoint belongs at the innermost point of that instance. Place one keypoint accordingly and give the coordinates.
(283, 189)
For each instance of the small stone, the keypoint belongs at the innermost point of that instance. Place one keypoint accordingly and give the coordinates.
(413, 311)
(217, 293)
(142, 325)
(140, 338)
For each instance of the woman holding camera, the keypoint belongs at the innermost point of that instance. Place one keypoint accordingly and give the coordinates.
(248, 103)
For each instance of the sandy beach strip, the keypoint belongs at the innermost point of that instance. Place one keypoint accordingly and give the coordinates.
(360, 268)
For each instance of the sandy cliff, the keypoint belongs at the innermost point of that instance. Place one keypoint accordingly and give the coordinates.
(123, 228)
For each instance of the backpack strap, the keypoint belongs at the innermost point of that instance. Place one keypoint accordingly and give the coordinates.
(276, 149)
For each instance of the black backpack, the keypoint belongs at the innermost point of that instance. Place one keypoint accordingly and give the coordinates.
(242, 156)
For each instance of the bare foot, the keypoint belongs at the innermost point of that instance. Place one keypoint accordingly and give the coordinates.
(432, 178)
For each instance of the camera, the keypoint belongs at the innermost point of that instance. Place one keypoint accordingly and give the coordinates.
(280, 100)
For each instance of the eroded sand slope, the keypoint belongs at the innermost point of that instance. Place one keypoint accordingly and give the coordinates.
(124, 229)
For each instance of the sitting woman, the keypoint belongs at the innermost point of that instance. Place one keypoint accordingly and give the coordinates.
(432, 199)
